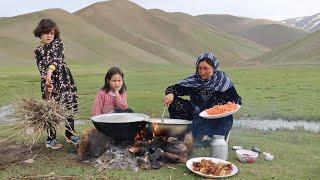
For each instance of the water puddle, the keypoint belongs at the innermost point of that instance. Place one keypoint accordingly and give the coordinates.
(5, 114)
(279, 124)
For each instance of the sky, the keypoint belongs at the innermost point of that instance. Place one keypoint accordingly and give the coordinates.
(266, 9)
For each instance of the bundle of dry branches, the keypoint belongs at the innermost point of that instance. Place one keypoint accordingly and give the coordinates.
(38, 116)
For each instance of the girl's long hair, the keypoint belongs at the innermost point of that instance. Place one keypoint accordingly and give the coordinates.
(112, 71)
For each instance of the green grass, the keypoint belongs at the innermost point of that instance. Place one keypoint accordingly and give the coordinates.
(285, 92)
(296, 157)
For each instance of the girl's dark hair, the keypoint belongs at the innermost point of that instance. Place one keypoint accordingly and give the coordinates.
(209, 61)
(112, 71)
(45, 26)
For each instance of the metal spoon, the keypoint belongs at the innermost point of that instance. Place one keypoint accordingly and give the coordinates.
(164, 110)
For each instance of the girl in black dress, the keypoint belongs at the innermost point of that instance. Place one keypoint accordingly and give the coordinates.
(56, 77)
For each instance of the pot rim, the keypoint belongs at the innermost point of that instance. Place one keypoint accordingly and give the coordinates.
(170, 121)
(120, 118)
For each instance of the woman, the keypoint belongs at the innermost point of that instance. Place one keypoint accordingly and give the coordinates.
(56, 77)
(206, 87)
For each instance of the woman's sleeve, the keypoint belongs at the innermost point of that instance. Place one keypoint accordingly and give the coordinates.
(97, 105)
(232, 96)
(58, 54)
(40, 64)
(121, 101)
(178, 90)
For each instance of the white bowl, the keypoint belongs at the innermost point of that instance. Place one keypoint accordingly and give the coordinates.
(237, 147)
(246, 156)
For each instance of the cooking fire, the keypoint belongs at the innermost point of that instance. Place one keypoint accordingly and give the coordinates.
(149, 149)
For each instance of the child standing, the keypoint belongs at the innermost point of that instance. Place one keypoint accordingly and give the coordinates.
(112, 97)
(56, 77)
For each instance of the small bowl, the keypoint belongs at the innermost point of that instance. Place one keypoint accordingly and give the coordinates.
(237, 147)
(269, 157)
(246, 156)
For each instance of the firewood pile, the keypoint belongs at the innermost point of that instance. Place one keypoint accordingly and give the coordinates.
(142, 153)
(153, 154)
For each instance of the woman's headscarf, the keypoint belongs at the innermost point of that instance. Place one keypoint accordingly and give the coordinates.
(219, 81)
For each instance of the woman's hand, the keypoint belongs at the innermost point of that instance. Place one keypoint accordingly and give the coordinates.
(168, 99)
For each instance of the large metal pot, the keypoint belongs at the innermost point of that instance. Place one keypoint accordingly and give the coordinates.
(168, 127)
(120, 126)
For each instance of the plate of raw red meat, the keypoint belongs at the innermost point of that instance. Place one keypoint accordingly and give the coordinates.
(220, 111)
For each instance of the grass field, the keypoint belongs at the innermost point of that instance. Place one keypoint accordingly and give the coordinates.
(296, 157)
(283, 92)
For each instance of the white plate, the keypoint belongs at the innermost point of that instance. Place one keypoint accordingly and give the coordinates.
(198, 159)
(204, 114)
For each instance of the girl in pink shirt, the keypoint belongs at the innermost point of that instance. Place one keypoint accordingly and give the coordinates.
(112, 97)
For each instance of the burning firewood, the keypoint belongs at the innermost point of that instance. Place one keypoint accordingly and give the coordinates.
(145, 151)
(178, 148)
(139, 151)
(159, 149)
(174, 158)
(157, 154)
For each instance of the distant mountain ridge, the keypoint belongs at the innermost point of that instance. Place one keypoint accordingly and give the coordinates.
(308, 23)
(121, 33)
(268, 33)
(164, 34)
(302, 52)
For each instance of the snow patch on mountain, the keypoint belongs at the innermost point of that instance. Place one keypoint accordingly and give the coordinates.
(308, 23)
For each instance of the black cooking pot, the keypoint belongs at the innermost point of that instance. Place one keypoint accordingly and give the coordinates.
(120, 126)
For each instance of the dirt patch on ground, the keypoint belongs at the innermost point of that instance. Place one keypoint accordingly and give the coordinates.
(13, 152)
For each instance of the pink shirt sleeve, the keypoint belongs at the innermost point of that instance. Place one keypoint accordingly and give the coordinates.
(98, 104)
(121, 101)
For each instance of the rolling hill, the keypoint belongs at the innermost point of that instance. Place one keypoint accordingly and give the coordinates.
(119, 32)
(84, 43)
(228, 41)
(305, 51)
(265, 32)
(165, 35)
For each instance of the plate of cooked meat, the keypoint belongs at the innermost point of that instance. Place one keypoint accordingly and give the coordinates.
(211, 167)
(220, 111)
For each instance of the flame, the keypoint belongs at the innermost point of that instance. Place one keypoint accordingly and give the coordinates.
(155, 129)
(139, 136)
(143, 135)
